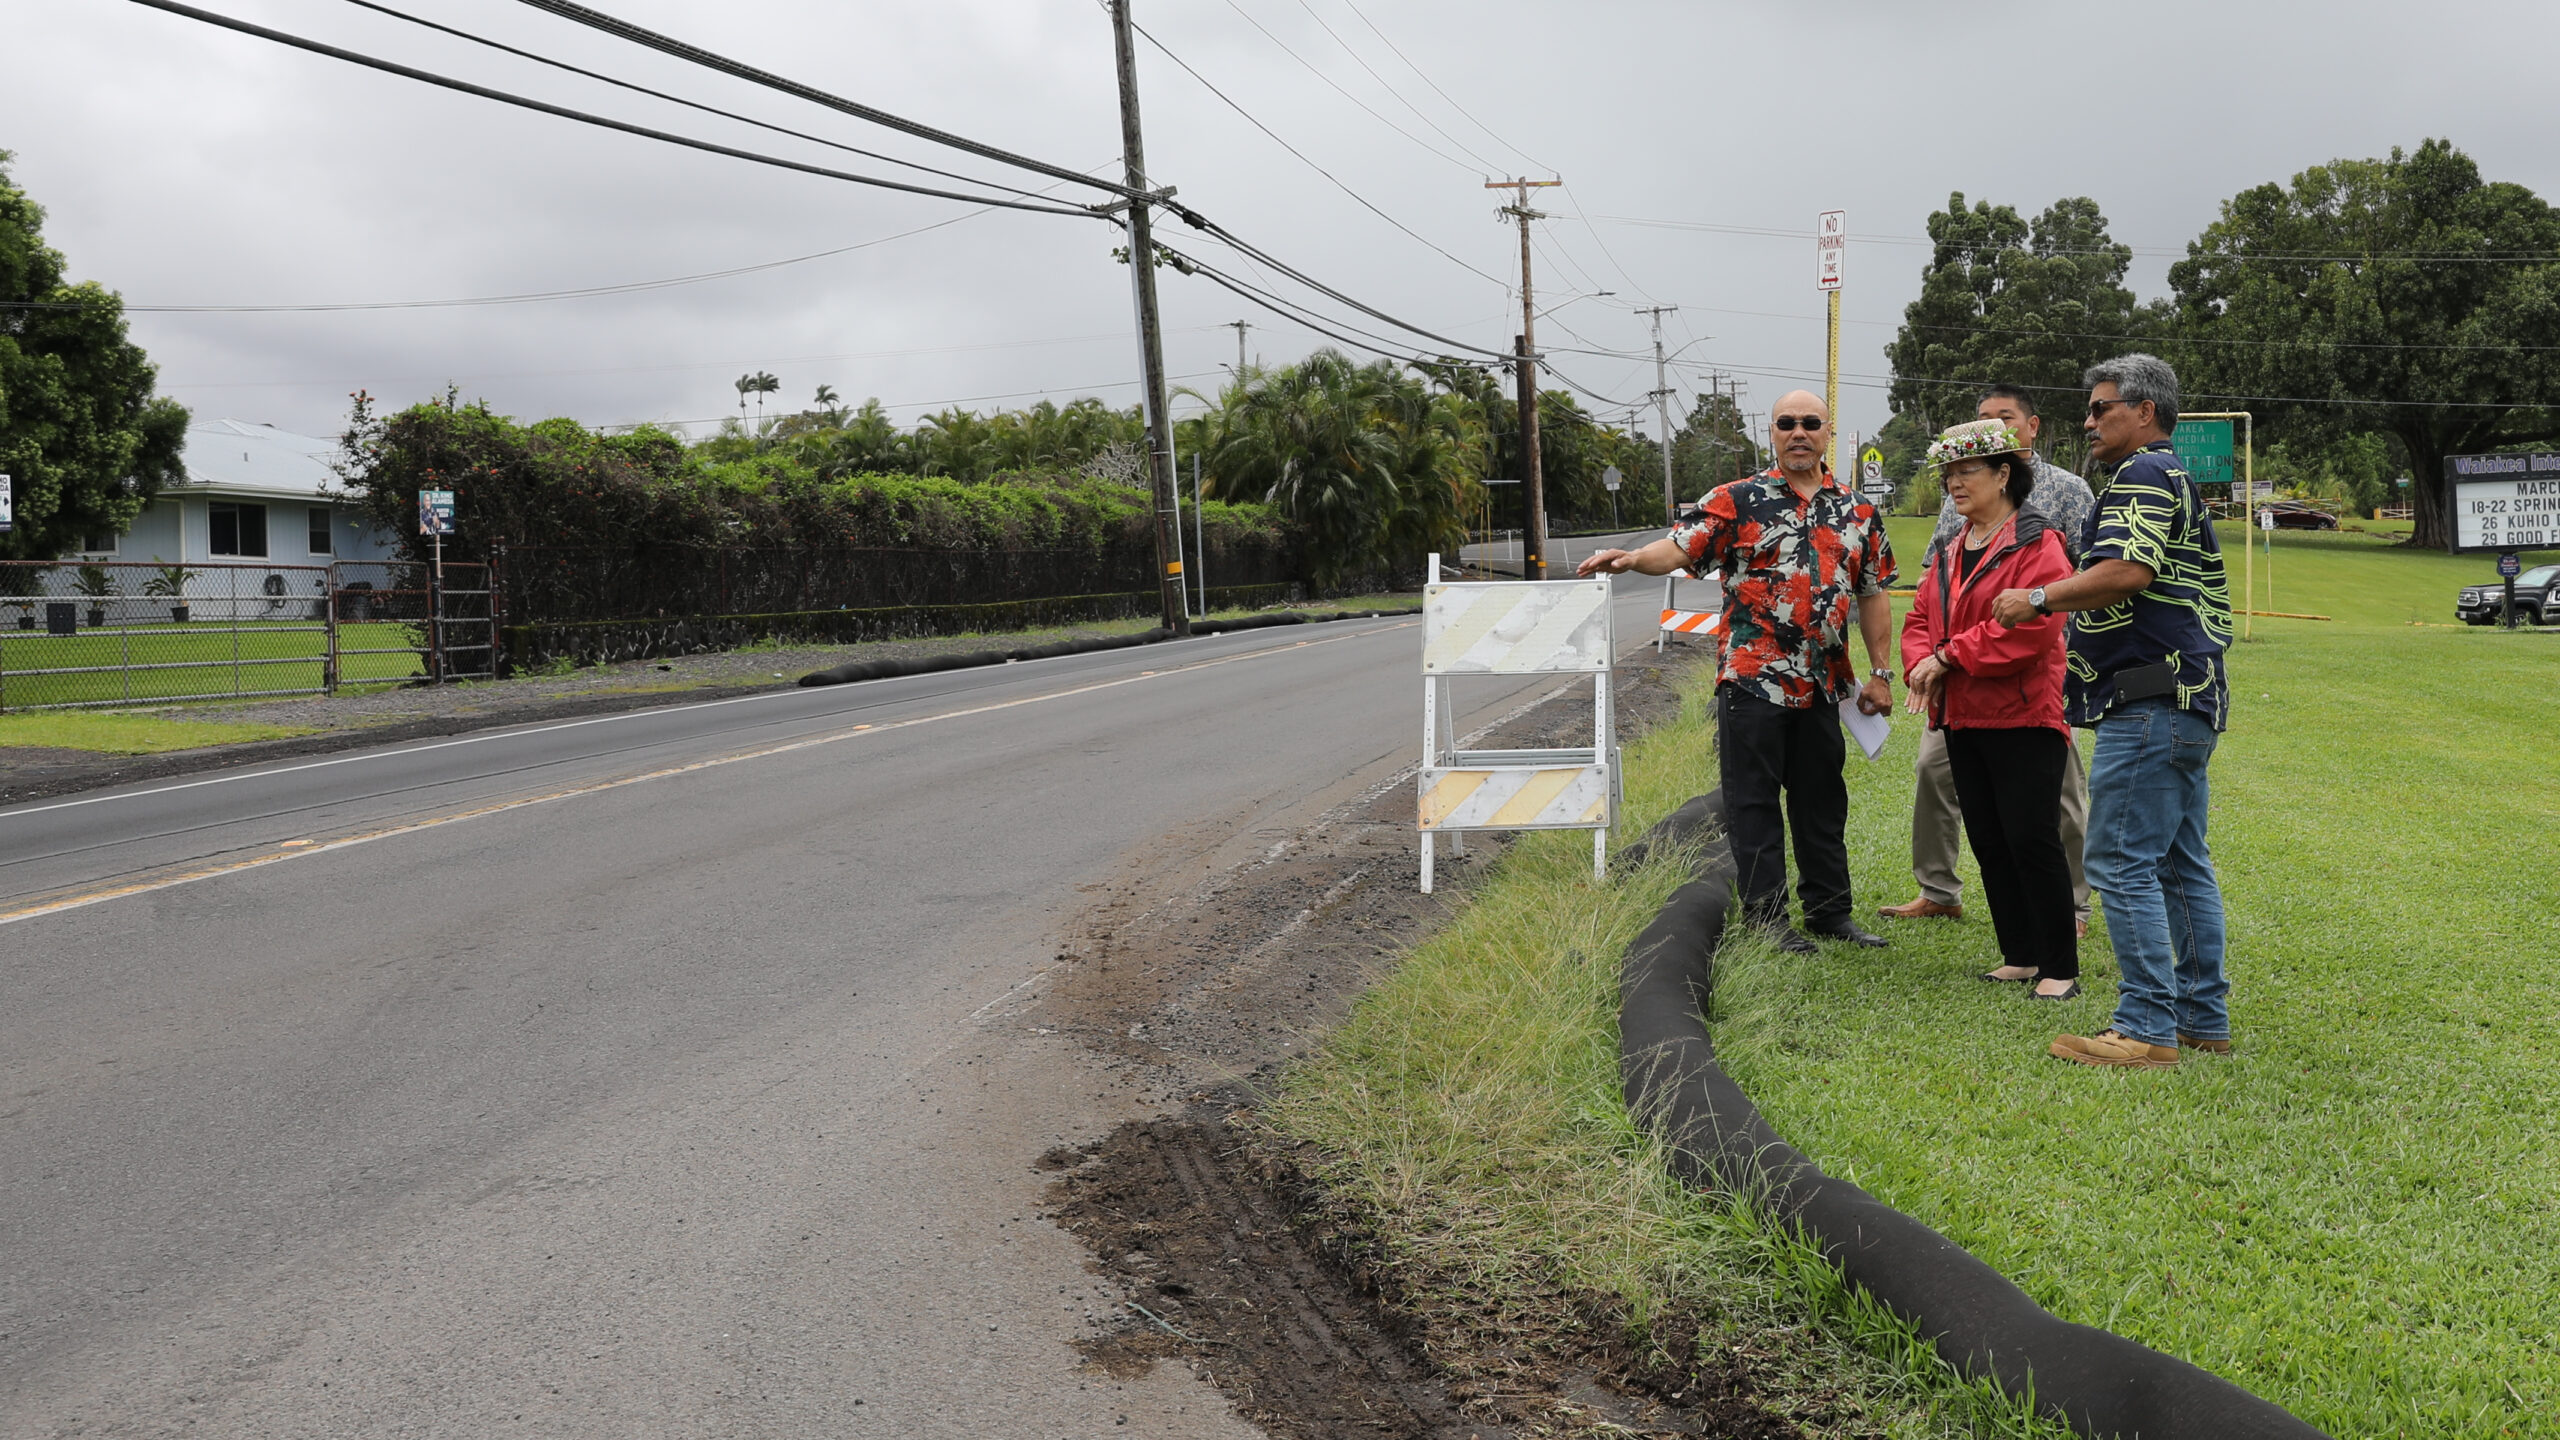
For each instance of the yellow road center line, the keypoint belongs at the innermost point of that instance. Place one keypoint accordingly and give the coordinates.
(301, 849)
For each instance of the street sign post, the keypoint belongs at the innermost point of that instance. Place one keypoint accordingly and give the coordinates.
(435, 518)
(1871, 480)
(2503, 502)
(1830, 256)
(2510, 565)
(1611, 479)
(7, 511)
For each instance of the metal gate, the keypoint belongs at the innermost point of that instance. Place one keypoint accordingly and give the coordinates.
(78, 634)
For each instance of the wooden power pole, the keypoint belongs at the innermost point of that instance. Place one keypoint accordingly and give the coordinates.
(1142, 283)
(1662, 409)
(1533, 485)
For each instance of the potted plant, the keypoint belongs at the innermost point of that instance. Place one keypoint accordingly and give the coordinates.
(94, 582)
(19, 587)
(171, 584)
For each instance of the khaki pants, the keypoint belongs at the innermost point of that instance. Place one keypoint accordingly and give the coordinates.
(1936, 828)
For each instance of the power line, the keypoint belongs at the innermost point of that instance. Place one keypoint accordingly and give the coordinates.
(2145, 339)
(1241, 246)
(1290, 311)
(586, 292)
(1389, 87)
(2149, 252)
(1338, 182)
(680, 100)
(1534, 162)
(623, 29)
(1345, 94)
(762, 362)
(1871, 381)
(564, 112)
(922, 404)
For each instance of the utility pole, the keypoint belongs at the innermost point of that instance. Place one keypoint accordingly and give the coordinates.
(1533, 485)
(1831, 243)
(1662, 411)
(1240, 326)
(1172, 603)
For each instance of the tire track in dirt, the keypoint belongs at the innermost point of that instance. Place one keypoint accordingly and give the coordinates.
(1231, 1259)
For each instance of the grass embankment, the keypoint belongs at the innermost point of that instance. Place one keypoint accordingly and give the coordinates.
(2357, 1215)
(114, 734)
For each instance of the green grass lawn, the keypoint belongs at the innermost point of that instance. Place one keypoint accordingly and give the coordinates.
(2357, 1215)
(212, 661)
(116, 734)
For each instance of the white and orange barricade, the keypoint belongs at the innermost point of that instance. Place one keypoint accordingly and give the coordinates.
(1698, 615)
(1511, 627)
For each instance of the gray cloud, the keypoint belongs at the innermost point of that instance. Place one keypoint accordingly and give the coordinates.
(181, 165)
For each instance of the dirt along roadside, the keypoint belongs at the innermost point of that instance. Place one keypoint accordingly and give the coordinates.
(1229, 1258)
(417, 712)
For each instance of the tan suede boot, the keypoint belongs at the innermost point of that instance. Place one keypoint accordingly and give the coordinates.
(2109, 1048)
(2210, 1047)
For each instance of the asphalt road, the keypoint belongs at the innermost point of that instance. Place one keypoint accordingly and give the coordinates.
(642, 1075)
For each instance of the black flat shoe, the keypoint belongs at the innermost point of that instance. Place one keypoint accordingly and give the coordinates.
(1847, 930)
(1791, 941)
(1996, 978)
(2070, 993)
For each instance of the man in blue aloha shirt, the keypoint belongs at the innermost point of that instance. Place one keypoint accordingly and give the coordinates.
(2151, 620)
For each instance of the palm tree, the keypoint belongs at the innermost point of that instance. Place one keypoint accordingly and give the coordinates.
(759, 385)
(1308, 440)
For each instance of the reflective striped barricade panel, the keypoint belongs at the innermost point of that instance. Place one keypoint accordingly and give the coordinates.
(1513, 628)
(1701, 612)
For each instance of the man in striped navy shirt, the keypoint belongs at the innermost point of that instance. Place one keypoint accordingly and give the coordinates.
(2151, 617)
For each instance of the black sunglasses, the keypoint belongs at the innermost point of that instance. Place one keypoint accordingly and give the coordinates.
(1791, 422)
(2099, 407)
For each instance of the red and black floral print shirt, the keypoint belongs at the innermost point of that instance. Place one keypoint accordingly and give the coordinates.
(1794, 570)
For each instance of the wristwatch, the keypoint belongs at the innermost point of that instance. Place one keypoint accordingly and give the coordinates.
(2035, 597)
(1881, 673)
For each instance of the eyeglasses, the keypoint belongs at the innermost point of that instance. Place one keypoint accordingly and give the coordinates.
(1792, 422)
(2098, 408)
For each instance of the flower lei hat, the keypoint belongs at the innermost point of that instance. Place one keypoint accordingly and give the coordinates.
(1973, 440)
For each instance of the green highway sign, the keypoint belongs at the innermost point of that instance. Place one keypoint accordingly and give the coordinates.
(2205, 447)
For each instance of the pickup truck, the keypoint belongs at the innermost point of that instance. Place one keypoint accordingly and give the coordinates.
(2537, 599)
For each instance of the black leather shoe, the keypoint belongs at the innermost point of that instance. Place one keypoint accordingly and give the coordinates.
(1846, 929)
(2072, 992)
(1793, 941)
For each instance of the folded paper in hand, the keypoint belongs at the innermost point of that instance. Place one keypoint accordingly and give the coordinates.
(1870, 731)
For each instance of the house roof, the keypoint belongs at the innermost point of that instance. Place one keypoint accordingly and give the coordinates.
(241, 457)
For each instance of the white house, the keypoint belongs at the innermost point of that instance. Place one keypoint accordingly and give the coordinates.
(252, 492)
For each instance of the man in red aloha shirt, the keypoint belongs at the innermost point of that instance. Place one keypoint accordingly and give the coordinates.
(1798, 552)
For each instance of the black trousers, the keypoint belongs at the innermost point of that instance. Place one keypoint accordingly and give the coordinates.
(1763, 748)
(2005, 784)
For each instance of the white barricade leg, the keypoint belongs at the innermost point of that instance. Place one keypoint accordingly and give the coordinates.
(1599, 857)
(1426, 861)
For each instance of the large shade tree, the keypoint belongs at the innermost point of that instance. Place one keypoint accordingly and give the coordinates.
(2406, 296)
(2006, 301)
(83, 439)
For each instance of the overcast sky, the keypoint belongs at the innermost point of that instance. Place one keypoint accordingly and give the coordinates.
(181, 165)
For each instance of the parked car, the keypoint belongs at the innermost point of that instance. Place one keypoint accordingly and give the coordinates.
(2297, 515)
(2537, 599)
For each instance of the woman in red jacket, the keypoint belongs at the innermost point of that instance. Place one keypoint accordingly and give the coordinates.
(1997, 692)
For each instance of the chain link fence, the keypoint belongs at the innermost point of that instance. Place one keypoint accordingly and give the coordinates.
(105, 633)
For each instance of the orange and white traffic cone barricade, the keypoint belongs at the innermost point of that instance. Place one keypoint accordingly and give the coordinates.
(1553, 627)
(1701, 617)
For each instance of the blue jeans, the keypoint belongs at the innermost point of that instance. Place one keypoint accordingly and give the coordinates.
(2148, 793)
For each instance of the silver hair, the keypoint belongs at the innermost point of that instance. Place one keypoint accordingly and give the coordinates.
(2139, 377)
